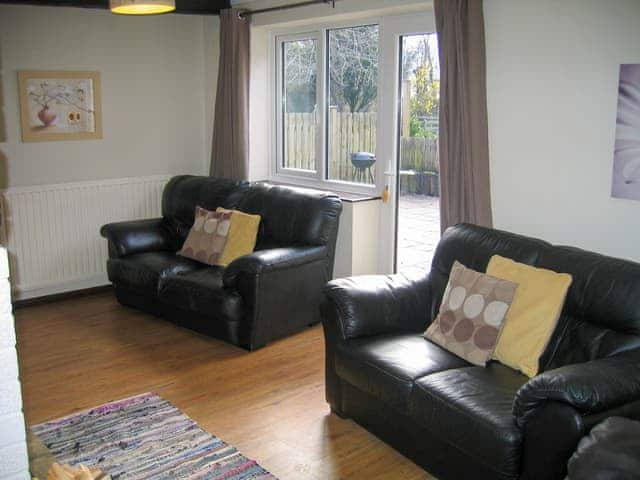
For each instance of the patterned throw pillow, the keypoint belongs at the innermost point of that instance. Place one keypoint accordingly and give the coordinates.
(208, 236)
(472, 313)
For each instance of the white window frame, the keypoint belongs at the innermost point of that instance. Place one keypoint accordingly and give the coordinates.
(281, 169)
(317, 179)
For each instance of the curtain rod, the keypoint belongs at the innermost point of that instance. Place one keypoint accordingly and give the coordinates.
(248, 13)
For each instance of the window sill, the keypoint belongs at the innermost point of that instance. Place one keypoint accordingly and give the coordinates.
(347, 197)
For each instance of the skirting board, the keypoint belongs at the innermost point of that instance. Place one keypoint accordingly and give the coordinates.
(52, 232)
(57, 288)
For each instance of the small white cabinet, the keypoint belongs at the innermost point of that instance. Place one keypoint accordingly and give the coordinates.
(357, 248)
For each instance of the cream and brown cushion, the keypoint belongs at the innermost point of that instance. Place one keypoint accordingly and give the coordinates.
(472, 313)
(208, 236)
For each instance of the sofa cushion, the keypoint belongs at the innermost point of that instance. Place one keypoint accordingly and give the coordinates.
(208, 236)
(473, 246)
(385, 366)
(183, 193)
(471, 314)
(143, 271)
(292, 216)
(533, 315)
(202, 292)
(242, 236)
(470, 409)
(601, 315)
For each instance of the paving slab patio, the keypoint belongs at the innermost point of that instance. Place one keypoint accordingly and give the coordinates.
(418, 232)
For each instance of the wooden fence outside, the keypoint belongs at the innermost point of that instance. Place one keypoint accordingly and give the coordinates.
(349, 133)
(300, 140)
(419, 154)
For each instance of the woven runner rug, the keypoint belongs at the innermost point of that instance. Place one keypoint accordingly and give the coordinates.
(145, 437)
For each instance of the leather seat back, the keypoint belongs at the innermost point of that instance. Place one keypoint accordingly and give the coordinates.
(292, 216)
(601, 316)
(183, 193)
(474, 246)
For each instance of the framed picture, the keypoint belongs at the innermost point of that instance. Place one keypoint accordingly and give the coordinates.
(626, 158)
(59, 105)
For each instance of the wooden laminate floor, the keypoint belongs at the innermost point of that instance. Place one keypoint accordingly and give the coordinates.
(85, 351)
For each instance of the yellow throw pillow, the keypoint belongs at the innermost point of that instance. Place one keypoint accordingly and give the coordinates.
(241, 239)
(533, 315)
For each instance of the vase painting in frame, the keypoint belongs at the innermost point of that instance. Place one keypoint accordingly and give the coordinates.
(626, 160)
(59, 105)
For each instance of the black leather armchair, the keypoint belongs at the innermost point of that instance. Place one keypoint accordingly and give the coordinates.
(463, 421)
(610, 451)
(257, 298)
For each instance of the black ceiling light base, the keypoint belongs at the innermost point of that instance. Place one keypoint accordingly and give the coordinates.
(195, 7)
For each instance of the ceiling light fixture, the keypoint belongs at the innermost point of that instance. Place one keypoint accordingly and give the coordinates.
(141, 7)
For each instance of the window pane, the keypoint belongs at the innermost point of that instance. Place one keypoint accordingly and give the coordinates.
(299, 73)
(418, 228)
(352, 104)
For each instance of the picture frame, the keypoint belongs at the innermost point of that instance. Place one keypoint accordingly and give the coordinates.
(625, 181)
(59, 105)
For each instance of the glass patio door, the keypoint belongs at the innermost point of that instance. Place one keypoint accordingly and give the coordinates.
(417, 174)
(409, 88)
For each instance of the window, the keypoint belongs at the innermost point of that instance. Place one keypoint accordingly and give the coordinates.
(352, 99)
(299, 104)
(327, 84)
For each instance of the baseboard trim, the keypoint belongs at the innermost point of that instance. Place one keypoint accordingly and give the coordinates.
(55, 297)
(53, 288)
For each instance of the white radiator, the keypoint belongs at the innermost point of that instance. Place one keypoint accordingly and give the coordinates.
(52, 232)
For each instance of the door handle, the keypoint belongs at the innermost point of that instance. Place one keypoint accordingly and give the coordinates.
(385, 194)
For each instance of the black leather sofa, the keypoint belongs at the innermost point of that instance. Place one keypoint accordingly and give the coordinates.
(463, 421)
(268, 294)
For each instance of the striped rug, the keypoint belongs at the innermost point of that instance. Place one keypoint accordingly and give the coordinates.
(144, 437)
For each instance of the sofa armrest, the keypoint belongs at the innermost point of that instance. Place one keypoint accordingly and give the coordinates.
(127, 238)
(264, 261)
(280, 290)
(590, 387)
(376, 304)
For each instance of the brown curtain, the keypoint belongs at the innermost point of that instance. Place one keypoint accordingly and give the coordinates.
(464, 145)
(230, 150)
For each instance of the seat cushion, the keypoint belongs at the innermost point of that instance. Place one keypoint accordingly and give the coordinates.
(470, 409)
(385, 366)
(202, 292)
(142, 271)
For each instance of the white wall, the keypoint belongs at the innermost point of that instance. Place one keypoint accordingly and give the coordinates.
(14, 464)
(552, 77)
(211, 57)
(156, 99)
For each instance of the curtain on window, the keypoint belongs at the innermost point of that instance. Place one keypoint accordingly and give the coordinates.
(464, 145)
(230, 150)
